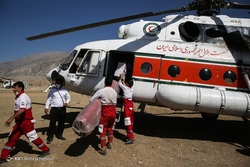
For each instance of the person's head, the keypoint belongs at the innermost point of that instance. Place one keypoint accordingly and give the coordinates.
(18, 87)
(58, 83)
(129, 83)
(108, 81)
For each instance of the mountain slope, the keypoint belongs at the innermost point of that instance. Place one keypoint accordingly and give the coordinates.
(32, 65)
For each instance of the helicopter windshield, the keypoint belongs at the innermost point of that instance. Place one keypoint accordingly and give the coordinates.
(65, 65)
(73, 60)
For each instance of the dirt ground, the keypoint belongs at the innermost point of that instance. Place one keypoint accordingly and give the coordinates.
(162, 138)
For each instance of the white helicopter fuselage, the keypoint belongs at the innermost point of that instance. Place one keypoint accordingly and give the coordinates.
(185, 63)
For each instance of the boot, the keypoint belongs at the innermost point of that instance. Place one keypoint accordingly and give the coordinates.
(102, 151)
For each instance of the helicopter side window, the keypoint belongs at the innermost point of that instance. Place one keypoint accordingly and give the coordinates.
(84, 68)
(90, 63)
(205, 74)
(229, 77)
(173, 71)
(93, 65)
(146, 68)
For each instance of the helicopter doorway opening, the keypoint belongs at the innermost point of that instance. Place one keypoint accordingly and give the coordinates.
(118, 62)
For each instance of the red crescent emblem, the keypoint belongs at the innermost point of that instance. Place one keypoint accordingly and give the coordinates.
(150, 28)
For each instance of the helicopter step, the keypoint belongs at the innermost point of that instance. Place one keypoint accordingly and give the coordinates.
(213, 101)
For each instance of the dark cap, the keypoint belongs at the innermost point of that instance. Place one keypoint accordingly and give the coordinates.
(19, 84)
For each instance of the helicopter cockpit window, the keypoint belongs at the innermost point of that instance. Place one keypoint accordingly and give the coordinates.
(65, 65)
(229, 77)
(77, 61)
(205, 74)
(146, 68)
(173, 71)
(90, 63)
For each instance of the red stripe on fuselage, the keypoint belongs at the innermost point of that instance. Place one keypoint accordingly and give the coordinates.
(189, 72)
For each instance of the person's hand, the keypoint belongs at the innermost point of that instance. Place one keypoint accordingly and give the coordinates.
(8, 122)
(65, 104)
(46, 111)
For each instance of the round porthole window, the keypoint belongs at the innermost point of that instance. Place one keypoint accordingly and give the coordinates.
(205, 74)
(173, 71)
(229, 77)
(146, 68)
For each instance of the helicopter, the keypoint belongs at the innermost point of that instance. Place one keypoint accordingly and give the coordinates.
(185, 62)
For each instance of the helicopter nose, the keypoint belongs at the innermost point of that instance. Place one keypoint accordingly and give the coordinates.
(48, 76)
(54, 75)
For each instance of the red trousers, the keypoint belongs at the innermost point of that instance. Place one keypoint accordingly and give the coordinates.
(25, 127)
(107, 121)
(129, 117)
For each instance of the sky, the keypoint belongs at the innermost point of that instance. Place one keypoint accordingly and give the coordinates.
(20, 19)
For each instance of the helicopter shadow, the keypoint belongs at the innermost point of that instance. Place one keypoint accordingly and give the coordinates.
(227, 131)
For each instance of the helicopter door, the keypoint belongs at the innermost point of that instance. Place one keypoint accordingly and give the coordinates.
(89, 65)
(146, 77)
(86, 76)
(76, 60)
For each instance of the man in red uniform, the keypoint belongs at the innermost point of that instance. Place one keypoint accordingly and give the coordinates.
(108, 98)
(128, 109)
(24, 124)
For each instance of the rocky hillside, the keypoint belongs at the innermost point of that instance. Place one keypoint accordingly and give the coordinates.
(32, 67)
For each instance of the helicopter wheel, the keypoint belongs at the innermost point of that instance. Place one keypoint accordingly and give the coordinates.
(209, 117)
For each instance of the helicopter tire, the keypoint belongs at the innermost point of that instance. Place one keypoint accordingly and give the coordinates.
(209, 117)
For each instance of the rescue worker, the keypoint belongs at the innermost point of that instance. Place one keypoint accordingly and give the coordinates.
(128, 109)
(58, 99)
(24, 124)
(108, 98)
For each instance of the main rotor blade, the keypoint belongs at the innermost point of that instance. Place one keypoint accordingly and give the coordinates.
(235, 5)
(97, 24)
